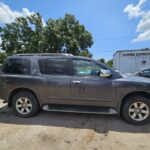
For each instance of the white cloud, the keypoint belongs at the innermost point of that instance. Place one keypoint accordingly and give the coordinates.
(143, 28)
(7, 15)
(144, 23)
(143, 36)
(134, 11)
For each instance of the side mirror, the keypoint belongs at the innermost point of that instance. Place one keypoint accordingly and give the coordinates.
(105, 74)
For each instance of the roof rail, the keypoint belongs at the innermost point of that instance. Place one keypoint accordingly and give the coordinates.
(45, 54)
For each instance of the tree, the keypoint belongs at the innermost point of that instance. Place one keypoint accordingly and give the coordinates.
(23, 35)
(110, 63)
(67, 35)
(85, 53)
(102, 60)
(2, 57)
(29, 35)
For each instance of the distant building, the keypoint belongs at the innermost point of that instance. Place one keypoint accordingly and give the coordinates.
(130, 61)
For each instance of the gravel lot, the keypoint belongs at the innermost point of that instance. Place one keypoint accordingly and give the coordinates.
(67, 131)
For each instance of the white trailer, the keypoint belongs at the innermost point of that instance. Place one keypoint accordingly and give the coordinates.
(131, 61)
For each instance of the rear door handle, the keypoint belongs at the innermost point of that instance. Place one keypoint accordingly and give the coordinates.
(76, 82)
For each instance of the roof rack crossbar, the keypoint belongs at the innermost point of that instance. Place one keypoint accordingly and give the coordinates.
(45, 54)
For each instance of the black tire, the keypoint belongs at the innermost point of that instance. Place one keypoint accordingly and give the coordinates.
(129, 102)
(32, 101)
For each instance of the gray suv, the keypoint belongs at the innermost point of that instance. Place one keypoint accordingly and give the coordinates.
(66, 83)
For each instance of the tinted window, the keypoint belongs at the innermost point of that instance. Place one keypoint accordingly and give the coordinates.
(146, 71)
(86, 68)
(53, 66)
(17, 66)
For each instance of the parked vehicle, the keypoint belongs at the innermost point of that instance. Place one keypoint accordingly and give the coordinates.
(60, 82)
(143, 73)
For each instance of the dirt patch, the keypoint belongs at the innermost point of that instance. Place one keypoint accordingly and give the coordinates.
(63, 131)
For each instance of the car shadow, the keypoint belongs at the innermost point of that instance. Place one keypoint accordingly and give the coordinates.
(99, 123)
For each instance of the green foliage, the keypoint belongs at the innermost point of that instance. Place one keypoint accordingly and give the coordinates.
(30, 35)
(102, 60)
(85, 53)
(2, 57)
(110, 63)
(23, 35)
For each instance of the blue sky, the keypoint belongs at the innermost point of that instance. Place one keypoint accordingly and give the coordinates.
(113, 28)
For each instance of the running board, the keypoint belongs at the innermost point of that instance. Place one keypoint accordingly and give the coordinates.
(79, 109)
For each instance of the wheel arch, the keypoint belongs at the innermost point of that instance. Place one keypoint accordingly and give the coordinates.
(17, 90)
(137, 93)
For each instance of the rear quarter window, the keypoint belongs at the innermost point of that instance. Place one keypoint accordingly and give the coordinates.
(17, 66)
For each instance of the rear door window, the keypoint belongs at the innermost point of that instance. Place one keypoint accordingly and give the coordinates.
(17, 66)
(53, 66)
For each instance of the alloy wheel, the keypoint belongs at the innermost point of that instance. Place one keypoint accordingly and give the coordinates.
(139, 111)
(23, 105)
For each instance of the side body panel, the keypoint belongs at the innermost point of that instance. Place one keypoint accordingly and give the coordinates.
(92, 91)
(127, 86)
(10, 83)
(53, 89)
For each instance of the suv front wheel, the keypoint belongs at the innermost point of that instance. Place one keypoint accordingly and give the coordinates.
(25, 104)
(136, 110)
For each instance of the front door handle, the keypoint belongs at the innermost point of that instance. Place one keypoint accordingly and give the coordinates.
(76, 82)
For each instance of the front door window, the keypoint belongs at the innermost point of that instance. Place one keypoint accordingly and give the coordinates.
(86, 68)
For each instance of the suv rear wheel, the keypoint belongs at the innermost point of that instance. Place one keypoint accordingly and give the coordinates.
(136, 110)
(25, 104)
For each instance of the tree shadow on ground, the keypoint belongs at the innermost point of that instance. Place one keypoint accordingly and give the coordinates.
(98, 123)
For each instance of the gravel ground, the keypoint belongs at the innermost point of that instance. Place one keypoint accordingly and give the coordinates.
(67, 131)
